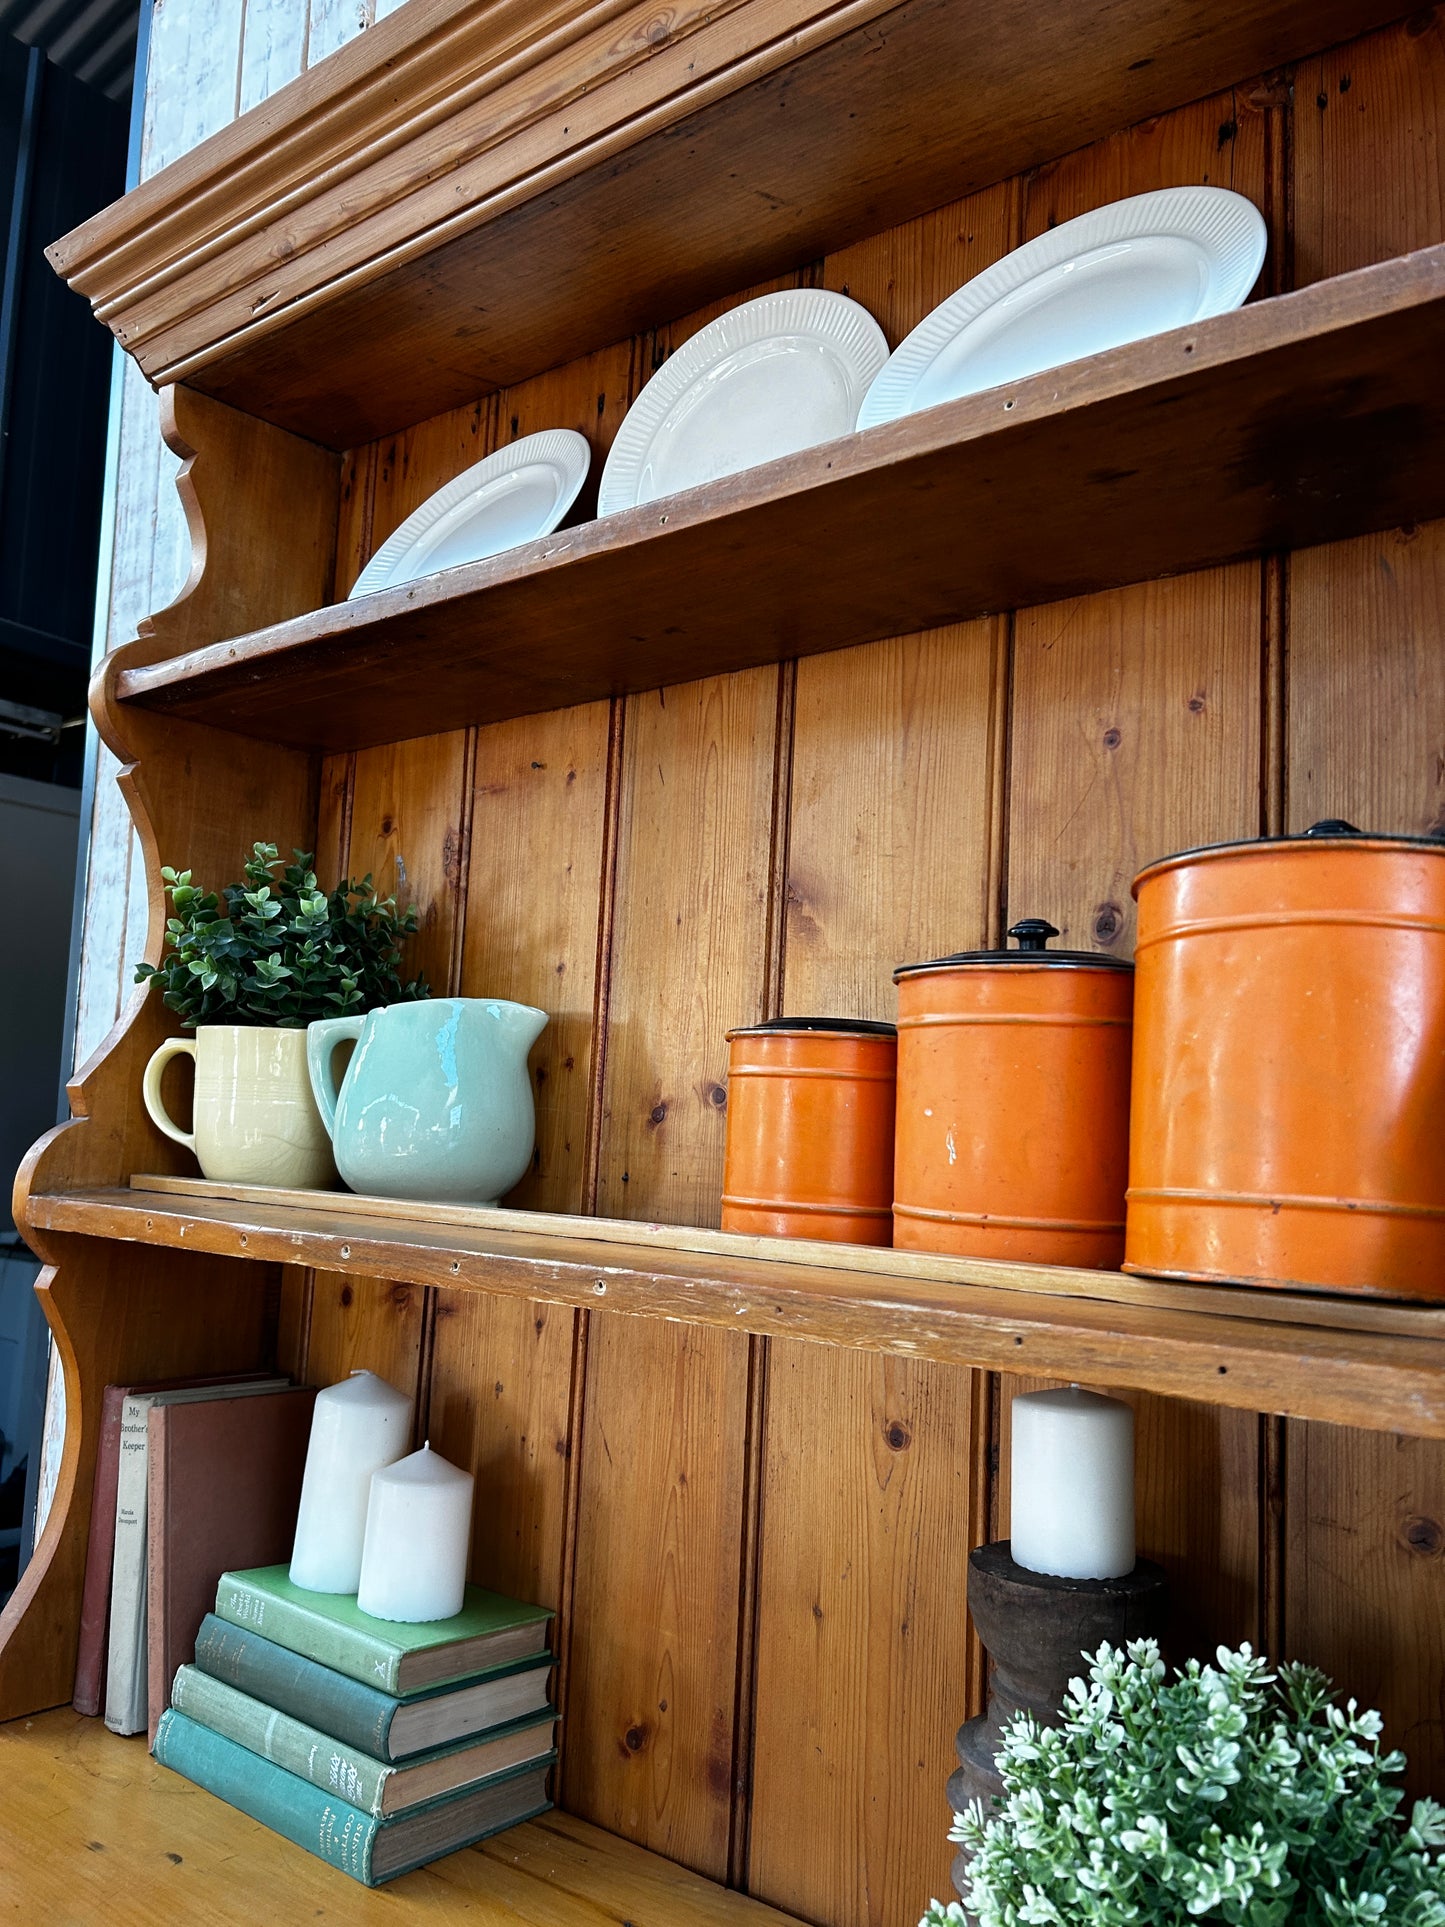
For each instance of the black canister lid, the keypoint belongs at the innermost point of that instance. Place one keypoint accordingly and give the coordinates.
(1328, 833)
(1032, 935)
(848, 1026)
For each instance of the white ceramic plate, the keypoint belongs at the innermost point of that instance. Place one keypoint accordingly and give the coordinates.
(778, 374)
(521, 492)
(1134, 268)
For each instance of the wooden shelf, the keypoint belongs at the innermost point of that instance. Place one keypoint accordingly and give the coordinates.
(485, 188)
(95, 1829)
(1357, 1361)
(1300, 420)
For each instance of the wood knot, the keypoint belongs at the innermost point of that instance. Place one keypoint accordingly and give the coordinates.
(1424, 1536)
(717, 1096)
(657, 1114)
(1108, 922)
(388, 826)
(898, 1435)
(346, 1294)
(1112, 738)
(1196, 704)
(633, 1740)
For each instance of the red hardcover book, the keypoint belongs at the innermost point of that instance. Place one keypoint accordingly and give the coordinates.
(100, 1551)
(224, 1485)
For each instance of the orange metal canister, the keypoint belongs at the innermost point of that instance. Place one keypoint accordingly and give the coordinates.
(810, 1130)
(1289, 1079)
(1013, 1103)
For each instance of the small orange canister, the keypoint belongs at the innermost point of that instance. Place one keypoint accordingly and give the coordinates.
(810, 1130)
(1013, 1103)
(1289, 1077)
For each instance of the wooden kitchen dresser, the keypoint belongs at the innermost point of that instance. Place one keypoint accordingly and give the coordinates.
(1184, 592)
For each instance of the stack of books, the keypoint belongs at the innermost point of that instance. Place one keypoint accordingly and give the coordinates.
(377, 1746)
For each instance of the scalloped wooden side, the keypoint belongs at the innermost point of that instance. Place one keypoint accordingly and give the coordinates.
(261, 508)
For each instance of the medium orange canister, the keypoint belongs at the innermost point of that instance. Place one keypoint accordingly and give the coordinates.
(1289, 1074)
(1013, 1103)
(810, 1130)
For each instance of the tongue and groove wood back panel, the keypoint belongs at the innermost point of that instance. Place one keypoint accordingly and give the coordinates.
(758, 1548)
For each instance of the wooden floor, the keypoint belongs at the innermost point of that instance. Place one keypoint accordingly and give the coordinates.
(92, 1829)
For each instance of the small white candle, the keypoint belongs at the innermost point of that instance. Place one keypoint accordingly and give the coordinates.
(357, 1426)
(418, 1532)
(1072, 1484)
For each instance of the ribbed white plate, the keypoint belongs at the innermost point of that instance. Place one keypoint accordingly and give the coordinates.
(778, 374)
(1134, 268)
(521, 492)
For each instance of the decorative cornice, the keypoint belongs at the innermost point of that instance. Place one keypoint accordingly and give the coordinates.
(443, 116)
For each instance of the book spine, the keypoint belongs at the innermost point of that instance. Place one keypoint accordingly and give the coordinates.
(330, 1828)
(350, 1712)
(99, 1555)
(284, 1741)
(375, 1662)
(125, 1687)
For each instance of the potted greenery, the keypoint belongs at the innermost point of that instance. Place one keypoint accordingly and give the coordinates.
(1229, 1794)
(248, 978)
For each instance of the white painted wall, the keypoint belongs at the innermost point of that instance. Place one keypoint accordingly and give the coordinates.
(209, 60)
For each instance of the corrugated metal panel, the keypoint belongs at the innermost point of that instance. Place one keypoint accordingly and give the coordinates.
(92, 39)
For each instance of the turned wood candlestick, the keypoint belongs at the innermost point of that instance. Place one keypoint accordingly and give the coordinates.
(1036, 1629)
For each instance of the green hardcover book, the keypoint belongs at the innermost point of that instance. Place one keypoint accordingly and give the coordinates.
(375, 1786)
(395, 1658)
(368, 1848)
(376, 1723)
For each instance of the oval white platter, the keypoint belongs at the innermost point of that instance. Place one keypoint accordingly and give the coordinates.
(520, 492)
(777, 374)
(1117, 274)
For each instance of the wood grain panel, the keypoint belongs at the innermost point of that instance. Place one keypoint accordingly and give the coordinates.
(1367, 682)
(690, 938)
(1135, 732)
(1363, 1583)
(364, 1324)
(654, 1644)
(408, 827)
(868, 1486)
(903, 273)
(535, 898)
(666, 1441)
(1369, 148)
(861, 1633)
(499, 1403)
(890, 825)
(1365, 1578)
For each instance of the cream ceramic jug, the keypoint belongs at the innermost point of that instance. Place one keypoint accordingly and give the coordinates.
(436, 1103)
(255, 1121)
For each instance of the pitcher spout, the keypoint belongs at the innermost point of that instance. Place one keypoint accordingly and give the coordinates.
(522, 1023)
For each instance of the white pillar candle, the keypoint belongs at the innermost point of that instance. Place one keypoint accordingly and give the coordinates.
(1072, 1484)
(357, 1426)
(418, 1531)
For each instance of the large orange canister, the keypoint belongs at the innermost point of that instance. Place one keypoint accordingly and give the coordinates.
(1013, 1103)
(1289, 1064)
(810, 1130)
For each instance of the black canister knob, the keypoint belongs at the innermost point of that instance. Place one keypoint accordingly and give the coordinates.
(1333, 826)
(1033, 933)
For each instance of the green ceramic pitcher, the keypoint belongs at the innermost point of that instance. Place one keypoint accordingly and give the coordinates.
(436, 1102)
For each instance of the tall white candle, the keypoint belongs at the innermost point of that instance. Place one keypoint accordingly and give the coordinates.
(418, 1531)
(357, 1426)
(1073, 1484)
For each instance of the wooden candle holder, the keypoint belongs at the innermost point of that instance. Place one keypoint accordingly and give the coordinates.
(1036, 1628)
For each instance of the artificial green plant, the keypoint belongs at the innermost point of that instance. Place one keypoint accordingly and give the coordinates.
(1227, 1794)
(281, 951)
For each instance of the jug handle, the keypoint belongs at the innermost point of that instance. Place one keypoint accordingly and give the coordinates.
(321, 1041)
(151, 1088)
